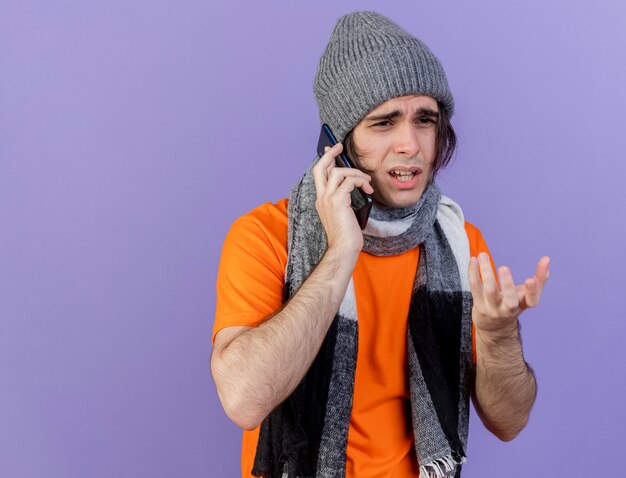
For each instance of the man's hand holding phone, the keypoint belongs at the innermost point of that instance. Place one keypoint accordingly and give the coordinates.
(334, 185)
(361, 203)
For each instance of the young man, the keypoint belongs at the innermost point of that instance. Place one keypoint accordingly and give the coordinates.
(354, 353)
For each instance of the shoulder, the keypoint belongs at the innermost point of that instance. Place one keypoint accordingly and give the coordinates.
(268, 219)
(269, 212)
(473, 233)
(476, 241)
(260, 231)
(450, 212)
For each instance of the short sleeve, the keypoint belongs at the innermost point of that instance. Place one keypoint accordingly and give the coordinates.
(476, 241)
(252, 265)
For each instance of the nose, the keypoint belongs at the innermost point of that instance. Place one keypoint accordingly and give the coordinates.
(407, 141)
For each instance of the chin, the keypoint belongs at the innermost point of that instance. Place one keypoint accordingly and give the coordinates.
(399, 200)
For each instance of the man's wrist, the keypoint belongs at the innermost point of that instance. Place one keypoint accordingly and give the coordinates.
(506, 333)
(501, 349)
(501, 344)
(343, 258)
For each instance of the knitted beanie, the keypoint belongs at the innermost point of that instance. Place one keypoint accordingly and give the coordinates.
(369, 60)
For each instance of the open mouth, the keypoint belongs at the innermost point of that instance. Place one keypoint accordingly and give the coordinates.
(402, 175)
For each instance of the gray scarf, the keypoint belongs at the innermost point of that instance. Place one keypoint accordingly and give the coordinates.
(306, 435)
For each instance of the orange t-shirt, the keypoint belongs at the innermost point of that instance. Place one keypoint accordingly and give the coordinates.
(249, 289)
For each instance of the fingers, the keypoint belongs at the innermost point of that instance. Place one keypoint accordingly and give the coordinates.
(509, 292)
(486, 289)
(532, 293)
(490, 286)
(542, 272)
(346, 179)
(498, 307)
(476, 285)
(324, 166)
(533, 287)
(330, 178)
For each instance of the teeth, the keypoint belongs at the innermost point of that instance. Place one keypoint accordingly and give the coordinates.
(403, 175)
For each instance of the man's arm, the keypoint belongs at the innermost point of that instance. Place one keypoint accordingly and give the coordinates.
(505, 386)
(256, 368)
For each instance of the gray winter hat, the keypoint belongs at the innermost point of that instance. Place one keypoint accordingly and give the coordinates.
(368, 60)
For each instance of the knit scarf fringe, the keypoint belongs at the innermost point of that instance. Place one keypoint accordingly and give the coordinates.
(441, 468)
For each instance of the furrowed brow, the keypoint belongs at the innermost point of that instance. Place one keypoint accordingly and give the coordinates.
(386, 116)
(424, 111)
(427, 112)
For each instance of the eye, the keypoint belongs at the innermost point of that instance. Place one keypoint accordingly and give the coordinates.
(382, 123)
(426, 121)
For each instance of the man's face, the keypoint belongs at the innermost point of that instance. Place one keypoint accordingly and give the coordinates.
(395, 143)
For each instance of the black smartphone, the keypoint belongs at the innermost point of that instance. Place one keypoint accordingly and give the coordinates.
(361, 202)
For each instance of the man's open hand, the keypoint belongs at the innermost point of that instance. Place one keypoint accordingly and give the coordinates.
(496, 310)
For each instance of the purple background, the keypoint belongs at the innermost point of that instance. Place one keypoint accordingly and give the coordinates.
(133, 133)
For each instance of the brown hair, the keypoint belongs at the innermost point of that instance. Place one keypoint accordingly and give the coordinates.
(445, 143)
